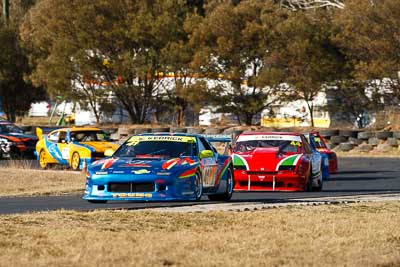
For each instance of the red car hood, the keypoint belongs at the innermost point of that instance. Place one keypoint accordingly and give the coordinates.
(264, 160)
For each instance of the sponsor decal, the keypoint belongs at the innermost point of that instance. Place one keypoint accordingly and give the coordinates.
(141, 171)
(190, 161)
(177, 161)
(108, 163)
(99, 162)
(65, 152)
(101, 173)
(134, 140)
(163, 173)
(223, 170)
(288, 161)
(118, 172)
(132, 195)
(269, 137)
(170, 163)
(296, 143)
(135, 165)
(240, 163)
(187, 174)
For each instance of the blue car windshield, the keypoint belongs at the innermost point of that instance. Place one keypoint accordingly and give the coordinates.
(156, 149)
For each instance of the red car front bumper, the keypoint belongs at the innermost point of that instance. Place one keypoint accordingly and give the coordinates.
(273, 181)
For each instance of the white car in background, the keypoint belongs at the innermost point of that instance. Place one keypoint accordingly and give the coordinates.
(39, 109)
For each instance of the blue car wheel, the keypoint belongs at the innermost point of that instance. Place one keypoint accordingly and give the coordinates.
(229, 189)
(198, 186)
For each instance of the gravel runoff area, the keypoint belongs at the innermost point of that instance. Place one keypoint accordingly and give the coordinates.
(250, 206)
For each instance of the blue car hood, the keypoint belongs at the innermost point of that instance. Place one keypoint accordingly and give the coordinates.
(141, 165)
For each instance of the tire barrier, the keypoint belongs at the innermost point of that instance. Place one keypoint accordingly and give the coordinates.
(213, 131)
(392, 142)
(142, 130)
(337, 139)
(364, 135)
(364, 141)
(178, 130)
(194, 130)
(345, 147)
(355, 141)
(328, 133)
(396, 135)
(383, 135)
(373, 141)
(348, 133)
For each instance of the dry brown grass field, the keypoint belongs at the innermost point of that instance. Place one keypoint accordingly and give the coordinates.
(17, 179)
(335, 235)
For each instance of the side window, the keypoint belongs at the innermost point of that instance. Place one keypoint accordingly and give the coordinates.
(201, 145)
(62, 137)
(205, 144)
(53, 137)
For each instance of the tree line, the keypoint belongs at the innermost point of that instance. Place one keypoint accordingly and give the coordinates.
(239, 56)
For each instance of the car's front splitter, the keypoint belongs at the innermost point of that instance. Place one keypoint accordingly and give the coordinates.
(279, 182)
(140, 197)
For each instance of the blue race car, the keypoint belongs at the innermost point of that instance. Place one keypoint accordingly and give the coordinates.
(158, 167)
(324, 157)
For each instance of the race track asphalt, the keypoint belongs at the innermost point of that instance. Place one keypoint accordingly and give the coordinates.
(356, 176)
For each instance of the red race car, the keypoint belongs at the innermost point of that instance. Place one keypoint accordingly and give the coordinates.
(14, 144)
(275, 161)
(322, 147)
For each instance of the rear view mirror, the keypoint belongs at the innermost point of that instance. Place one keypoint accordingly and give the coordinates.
(109, 152)
(206, 154)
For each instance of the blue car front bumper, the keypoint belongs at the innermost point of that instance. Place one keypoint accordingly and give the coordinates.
(139, 188)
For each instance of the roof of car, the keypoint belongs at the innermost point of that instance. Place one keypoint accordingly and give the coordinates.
(271, 133)
(5, 121)
(171, 134)
(77, 129)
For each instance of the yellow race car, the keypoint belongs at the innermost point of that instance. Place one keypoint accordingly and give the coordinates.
(76, 147)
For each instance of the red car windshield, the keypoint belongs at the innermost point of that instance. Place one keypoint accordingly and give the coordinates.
(284, 146)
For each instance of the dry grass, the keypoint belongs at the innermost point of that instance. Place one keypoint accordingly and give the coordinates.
(17, 179)
(350, 235)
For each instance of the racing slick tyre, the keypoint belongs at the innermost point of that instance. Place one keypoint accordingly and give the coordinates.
(42, 160)
(308, 186)
(198, 186)
(75, 161)
(319, 186)
(97, 201)
(229, 189)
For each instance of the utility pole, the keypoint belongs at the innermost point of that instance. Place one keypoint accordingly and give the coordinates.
(6, 11)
